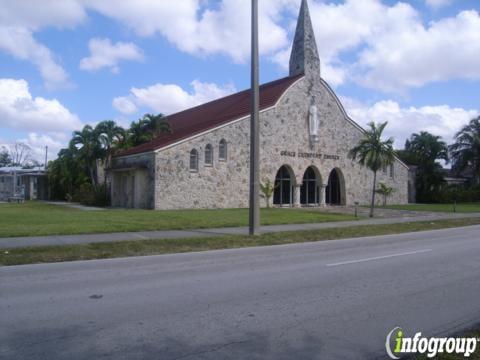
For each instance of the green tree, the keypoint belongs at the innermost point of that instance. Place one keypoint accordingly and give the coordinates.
(5, 159)
(89, 150)
(374, 153)
(156, 124)
(137, 134)
(147, 128)
(385, 191)
(66, 174)
(425, 150)
(466, 149)
(267, 188)
(110, 136)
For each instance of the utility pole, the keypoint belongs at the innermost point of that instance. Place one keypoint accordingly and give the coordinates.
(254, 214)
(46, 156)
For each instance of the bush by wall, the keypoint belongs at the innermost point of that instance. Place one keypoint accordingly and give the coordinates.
(91, 196)
(450, 193)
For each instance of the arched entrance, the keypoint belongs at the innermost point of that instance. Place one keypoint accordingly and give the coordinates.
(333, 192)
(309, 192)
(283, 187)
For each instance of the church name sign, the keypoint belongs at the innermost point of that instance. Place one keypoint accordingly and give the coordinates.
(309, 155)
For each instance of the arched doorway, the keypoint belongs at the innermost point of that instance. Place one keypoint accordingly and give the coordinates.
(333, 192)
(283, 187)
(309, 192)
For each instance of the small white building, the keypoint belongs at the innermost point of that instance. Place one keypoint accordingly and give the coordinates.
(17, 183)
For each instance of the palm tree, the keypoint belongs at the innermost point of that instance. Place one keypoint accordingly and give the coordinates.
(110, 136)
(385, 191)
(466, 149)
(147, 128)
(374, 153)
(427, 147)
(89, 149)
(425, 150)
(138, 134)
(157, 124)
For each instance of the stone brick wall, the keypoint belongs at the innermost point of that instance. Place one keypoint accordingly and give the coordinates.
(283, 129)
(132, 181)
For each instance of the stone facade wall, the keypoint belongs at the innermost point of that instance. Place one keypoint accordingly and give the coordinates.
(288, 131)
(222, 185)
(132, 180)
(284, 131)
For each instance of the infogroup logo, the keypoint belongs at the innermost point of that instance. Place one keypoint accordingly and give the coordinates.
(433, 346)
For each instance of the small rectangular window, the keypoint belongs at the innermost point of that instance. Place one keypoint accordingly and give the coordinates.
(392, 171)
(194, 160)
(209, 155)
(222, 150)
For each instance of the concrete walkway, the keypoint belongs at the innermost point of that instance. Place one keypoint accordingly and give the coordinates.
(17, 242)
(72, 205)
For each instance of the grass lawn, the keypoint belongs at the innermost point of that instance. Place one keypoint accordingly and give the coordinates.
(47, 254)
(37, 218)
(461, 208)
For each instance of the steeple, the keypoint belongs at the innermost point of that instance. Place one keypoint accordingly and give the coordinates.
(304, 58)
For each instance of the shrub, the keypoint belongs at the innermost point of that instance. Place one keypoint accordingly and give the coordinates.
(450, 193)
(85, 194)
(91, 196)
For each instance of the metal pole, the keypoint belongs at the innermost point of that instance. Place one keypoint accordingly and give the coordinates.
(46, 156)
(254, 214)
(14, 183)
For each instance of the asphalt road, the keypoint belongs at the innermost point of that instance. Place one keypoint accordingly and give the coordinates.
(325, 300)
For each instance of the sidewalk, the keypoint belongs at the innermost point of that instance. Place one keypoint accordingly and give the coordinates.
(77, 206)
(18, 242)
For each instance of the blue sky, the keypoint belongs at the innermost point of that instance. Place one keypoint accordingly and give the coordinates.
(66, 64)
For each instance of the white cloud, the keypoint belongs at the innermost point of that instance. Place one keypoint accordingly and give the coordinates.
(105, 54)
(195, 29)
(20, 19)
(414, 56)
(125, 105)
(170, 98)
(436, 4)
(441, 120)
(389, 47)
(38, 142)
(33, 14)
(19, 43)
(19, 110)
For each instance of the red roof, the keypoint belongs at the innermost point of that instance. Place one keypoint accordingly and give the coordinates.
(213, 114)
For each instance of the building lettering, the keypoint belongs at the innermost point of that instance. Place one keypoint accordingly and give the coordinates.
(309, 155)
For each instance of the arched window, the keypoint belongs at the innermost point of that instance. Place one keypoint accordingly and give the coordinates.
(334, 193)
(194, 160)
(309, 194)
(222, 150)
(209, 155)
(283, 187)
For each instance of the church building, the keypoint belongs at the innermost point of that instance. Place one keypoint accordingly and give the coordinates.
(305, 138)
